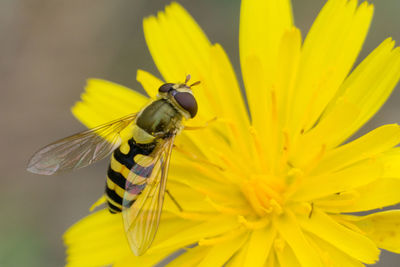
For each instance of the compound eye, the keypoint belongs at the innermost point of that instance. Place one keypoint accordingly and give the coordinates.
(187, 102)
(165, 88)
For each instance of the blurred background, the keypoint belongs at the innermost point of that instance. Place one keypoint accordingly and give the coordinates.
(48, 49)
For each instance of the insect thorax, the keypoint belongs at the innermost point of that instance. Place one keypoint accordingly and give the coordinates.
(159, 119)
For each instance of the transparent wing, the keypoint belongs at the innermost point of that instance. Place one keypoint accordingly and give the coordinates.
(79, 150)
(142, 218)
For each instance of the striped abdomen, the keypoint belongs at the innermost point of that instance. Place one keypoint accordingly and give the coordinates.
(122, 162)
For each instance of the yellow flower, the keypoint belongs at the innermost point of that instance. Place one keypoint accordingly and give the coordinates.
(275, 190)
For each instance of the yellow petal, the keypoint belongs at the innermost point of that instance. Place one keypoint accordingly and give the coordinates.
(98, 203)
(370, 84)
(218, 190)
(329, 51)
(391, 161)
(332, 256)
(290, 230)
(191, 257)
(259, 246)
(352, 243)
(382, 227)
(216, 226)
(149, 82)
(97, 240)
(324, 135)
(367, 146)
(187, 48)
(288, 60)
(104, 101)
(237, 259)
(187, 52)
(189, 199)
(208, 149)
(169, 225)
(219, 90)
(286, 257)
(282, 93)
(272, 260)
(226, 89)
(352, 177)
(262, 26)
(220, 253)
(378, 194)
(142, 261)
(256, 250)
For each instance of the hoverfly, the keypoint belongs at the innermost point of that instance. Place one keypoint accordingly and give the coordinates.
(136, 177)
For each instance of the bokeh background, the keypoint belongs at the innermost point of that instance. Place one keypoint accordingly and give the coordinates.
(48, 49)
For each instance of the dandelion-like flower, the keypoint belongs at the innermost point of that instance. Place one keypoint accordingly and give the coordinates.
(281, 188)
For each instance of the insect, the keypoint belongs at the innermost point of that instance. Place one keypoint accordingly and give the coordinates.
(136, 177)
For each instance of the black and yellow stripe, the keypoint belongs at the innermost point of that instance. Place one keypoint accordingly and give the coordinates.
(122, 162)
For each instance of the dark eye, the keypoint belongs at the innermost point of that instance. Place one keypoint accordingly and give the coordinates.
(165, 87)
(187, 102)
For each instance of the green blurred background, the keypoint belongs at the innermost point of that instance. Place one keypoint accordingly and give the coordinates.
(48, 49)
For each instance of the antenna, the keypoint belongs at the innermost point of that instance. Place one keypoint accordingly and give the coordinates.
(195, 83)
(187, 78)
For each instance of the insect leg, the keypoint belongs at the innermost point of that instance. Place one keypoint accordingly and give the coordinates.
(312, 209)
(174, 200)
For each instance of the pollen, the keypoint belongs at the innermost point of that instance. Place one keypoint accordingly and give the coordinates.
(265, 197)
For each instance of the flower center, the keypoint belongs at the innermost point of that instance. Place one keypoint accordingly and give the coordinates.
(265, 196)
